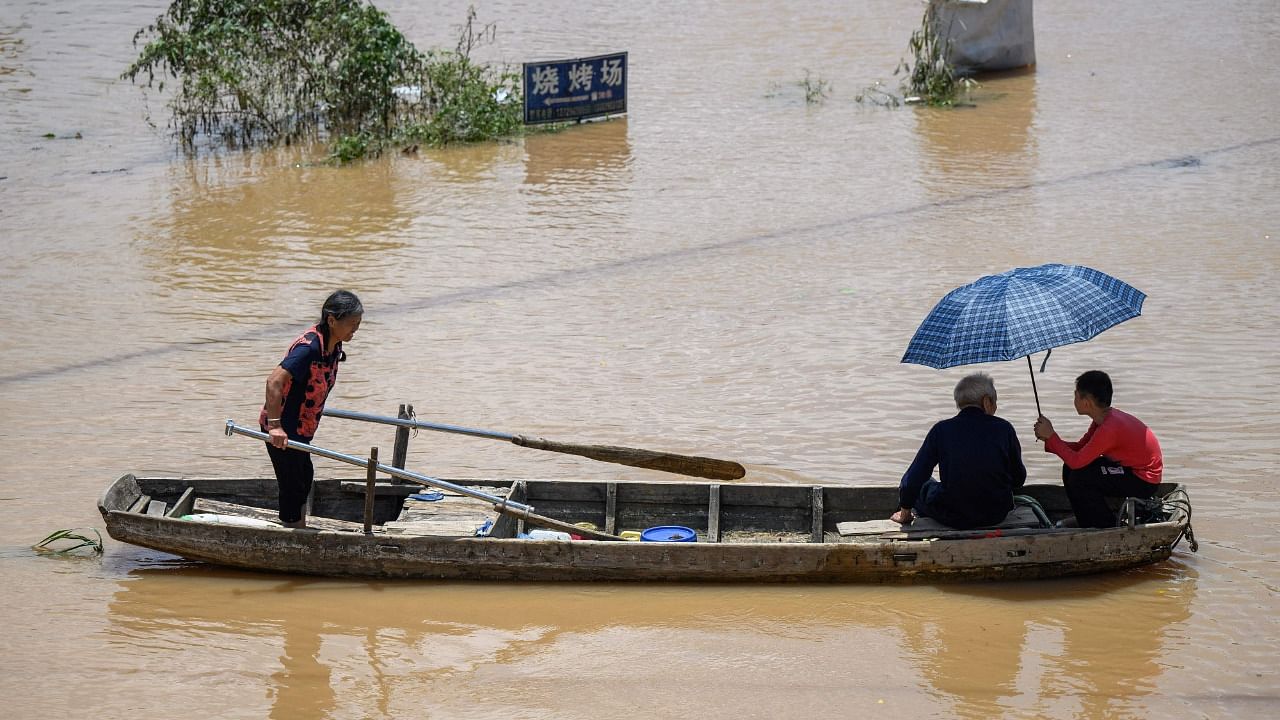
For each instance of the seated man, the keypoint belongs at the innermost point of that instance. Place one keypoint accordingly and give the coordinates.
(1118, 456)
(979, 464)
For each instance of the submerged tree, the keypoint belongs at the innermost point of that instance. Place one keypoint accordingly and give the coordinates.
(269, 71)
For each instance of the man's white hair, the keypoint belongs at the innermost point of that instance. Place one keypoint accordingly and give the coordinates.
(972, 388)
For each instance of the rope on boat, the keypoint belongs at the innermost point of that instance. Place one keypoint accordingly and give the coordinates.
(413, 416)
(1169, 504)
(1179, 500)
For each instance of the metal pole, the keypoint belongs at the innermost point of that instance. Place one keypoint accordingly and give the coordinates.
(500, 503)
(1033, 386)
(370, 481)
(352, 415)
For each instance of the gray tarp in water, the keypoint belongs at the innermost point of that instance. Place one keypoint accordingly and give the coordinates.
(986, 35)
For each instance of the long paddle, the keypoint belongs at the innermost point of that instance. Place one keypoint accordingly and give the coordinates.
(501, 504)
(649, 459)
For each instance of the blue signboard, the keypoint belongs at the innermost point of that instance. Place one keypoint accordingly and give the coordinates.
(567, 90)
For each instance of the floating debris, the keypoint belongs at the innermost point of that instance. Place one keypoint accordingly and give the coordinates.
(1179, 162)
(71, 535)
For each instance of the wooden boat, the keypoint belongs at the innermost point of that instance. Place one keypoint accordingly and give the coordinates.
(744, 532)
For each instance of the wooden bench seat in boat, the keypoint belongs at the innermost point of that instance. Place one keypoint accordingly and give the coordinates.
(186, 501)
(1021, 516)
(140, 505)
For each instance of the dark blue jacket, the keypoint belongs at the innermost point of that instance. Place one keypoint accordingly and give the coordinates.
(979, 463)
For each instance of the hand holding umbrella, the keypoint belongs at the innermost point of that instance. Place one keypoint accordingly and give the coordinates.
(1043, 428)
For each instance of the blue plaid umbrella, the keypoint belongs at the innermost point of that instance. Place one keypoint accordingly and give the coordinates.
(1021, 312)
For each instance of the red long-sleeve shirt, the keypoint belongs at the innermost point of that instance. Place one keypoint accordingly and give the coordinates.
(1120, 437)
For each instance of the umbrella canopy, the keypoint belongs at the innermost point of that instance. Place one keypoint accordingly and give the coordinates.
(1021, 312)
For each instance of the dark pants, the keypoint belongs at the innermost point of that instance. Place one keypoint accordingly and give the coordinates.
(961, 513)
(293, 474)
(1089, 487)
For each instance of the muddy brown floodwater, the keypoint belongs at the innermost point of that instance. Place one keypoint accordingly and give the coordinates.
(726, 271)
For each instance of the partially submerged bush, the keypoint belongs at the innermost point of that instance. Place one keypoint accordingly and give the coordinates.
(466, 102)
(930, 77)
(269, 71)
(816, 88)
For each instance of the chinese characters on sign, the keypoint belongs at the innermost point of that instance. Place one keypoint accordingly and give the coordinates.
(566, 90)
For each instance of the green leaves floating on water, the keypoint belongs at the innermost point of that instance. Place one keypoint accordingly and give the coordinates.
(75, 539)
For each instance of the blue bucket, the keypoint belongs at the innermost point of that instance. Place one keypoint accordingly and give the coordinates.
(669, 533)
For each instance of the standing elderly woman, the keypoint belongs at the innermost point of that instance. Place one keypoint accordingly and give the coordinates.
(296, 391)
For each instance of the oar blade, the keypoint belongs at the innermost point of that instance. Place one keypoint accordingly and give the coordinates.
(692, 465)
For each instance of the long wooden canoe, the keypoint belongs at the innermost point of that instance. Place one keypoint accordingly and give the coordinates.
(744, 532)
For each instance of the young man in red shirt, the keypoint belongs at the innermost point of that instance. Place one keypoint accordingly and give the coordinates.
(1118, 456)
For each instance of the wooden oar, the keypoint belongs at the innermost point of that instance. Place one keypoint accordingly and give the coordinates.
(694, 465)
(501, 504)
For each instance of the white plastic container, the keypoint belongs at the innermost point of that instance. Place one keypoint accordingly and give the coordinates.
(230, 520)
(548, 535)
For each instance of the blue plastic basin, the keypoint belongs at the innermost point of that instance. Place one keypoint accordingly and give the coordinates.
(668, 533)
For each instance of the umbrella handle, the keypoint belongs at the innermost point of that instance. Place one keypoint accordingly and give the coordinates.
(1046, 359)
(1035, 392)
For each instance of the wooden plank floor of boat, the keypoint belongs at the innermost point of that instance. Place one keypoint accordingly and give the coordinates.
(315, 522)
(453, 515)
(1020, 517)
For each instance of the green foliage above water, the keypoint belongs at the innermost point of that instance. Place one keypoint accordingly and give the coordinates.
(816, 89)
(930, 78)
(269, 71)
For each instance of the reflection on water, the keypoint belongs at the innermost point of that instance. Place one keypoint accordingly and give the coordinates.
(466, 163)
(984, 146)
(588, 156)
(271, 213)
(303, 685)
(577, 182)
(1041, 646)
(979, 651)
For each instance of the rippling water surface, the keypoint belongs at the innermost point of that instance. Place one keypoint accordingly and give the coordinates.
(726, 271)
